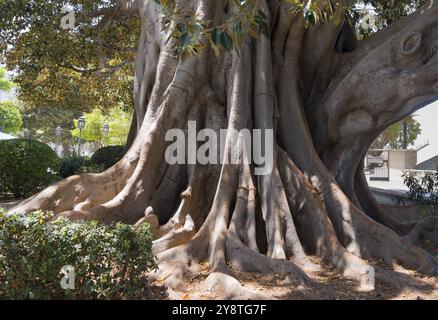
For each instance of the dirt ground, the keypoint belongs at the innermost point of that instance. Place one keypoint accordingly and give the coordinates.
(328, 285)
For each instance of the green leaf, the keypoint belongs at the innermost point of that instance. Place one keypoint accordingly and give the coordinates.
(226, 41)
(184, 40)
(216, 36)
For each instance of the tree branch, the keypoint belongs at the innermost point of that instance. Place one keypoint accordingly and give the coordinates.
(78, 69)
(389, 75)
(110, 47)
(105, 71)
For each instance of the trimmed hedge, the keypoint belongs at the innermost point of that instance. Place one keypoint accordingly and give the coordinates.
(26, 166)
(69, 166)
(108, 156)
(109, 262)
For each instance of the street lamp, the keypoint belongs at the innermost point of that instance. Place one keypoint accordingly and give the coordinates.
(2, 119)
(58, 134)
(81, 126)
(106, 129)
(26, 133)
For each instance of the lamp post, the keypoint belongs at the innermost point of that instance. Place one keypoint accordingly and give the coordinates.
(81, 126)
(2, 119)
(58, 134)
(26, 133)
(106, 129)
(405, 134)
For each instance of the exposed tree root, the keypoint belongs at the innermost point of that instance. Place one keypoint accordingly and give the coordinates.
(426, 228)
(231, 288)
(402, 282)
(244, 259)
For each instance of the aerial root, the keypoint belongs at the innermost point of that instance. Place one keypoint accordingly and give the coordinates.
(80, 193)
(174, 265)
(177, 236)
(229, 288)
(426, 229)
(244, 259)
(240, 255)
(316, 229)
(359, 235)
(179, 230)
(229, 244)
(403, 282)
(249, 234)
(219, 252)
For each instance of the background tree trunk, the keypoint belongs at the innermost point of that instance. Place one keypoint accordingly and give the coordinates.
(326, 98)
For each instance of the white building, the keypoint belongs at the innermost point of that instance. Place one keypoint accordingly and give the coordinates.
(5, 136)
(428, 117)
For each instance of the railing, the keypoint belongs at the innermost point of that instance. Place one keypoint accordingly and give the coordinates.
(377, 165)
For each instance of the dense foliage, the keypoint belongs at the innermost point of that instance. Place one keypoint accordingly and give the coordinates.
(393, 137)
(5, 84)
(389, 11)
(26, 166)
(42, 122)
(10, 118)
(423, 188)
(101, 160)
(108, 156)
(117, 119)
(70, 165)
(92, 65)
(109, 262)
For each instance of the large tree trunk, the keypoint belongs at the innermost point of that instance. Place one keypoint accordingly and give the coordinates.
(326, 101)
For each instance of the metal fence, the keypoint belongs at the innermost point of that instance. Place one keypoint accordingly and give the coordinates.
(377, 165)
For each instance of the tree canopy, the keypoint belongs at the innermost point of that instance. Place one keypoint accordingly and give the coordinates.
(91, 65)
(118, 121)
(10, 118)
(5, 84)
(83, 68)
(393, 137)
(42, 121)
(389, 11)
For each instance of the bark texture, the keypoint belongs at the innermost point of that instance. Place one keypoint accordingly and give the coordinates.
(325, 97)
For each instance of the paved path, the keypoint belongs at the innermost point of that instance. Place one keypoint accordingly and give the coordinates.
(395, 184)
(9, 204)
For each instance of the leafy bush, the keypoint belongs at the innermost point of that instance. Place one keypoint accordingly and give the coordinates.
(75, 164)
(423, 190)
(91, 168)
(26, 166)
(108, 156)
(69, 166)
(10, 117)
(109, 262)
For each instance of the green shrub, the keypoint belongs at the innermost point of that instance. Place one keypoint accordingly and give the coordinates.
(108, 156)
(423, 189)
(109, 262)
(69, 166)
(26, 166)
(91, 167)
(10, 117)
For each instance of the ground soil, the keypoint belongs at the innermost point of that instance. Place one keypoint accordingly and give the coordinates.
(329, 285)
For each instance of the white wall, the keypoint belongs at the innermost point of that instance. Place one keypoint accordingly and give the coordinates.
(428, 117)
